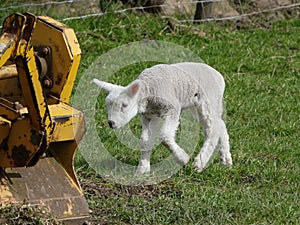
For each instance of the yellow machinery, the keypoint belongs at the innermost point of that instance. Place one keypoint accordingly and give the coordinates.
(39, 130)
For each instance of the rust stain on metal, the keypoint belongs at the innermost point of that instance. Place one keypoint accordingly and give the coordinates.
(62, 119)
(3, 145)
(20, 155)
(58, 79)
(35, 138)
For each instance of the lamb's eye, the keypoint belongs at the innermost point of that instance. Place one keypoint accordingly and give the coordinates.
(124, 105)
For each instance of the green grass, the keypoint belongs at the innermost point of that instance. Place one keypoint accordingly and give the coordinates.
(262, 72)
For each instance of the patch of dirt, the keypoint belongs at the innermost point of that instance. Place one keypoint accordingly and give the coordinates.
(26, 214)
(95, 185)
(97, 188)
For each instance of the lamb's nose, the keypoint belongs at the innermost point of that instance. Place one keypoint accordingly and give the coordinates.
(111, 123)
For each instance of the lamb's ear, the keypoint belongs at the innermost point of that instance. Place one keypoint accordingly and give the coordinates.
(105, 85)
(133, 88)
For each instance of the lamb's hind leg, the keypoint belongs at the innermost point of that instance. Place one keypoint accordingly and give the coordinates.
(168, 132)
(210, 143)
(211, 137)
(225, 155)
(215, 133)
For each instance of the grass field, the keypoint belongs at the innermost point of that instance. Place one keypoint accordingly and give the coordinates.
(261, 67)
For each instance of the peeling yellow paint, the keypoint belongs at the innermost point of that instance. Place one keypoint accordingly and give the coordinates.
(69, 208)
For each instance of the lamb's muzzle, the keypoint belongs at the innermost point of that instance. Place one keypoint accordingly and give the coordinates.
(111, 124)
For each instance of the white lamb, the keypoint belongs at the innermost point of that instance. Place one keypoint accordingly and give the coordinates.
(163, 91)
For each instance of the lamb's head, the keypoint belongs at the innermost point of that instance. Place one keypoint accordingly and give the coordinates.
(122, 102)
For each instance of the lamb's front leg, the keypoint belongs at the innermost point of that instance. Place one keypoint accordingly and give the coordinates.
(168, 132)
(149, 127)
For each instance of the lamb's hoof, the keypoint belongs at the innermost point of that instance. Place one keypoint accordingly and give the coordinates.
(142, 171)
(198, 165)
(183, 159)
(227, 162)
